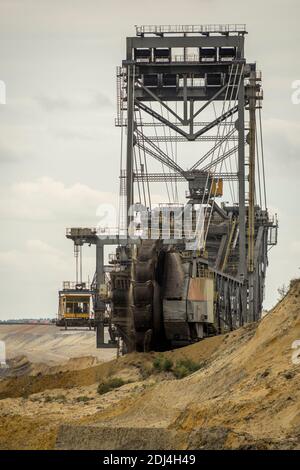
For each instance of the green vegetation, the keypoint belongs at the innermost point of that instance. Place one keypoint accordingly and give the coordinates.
(110, 384)
(182, 368)
(58, 398)
(83, 399)
(146, 370)
(162, 364)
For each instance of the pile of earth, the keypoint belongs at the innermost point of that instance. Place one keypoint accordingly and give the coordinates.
(244, 394)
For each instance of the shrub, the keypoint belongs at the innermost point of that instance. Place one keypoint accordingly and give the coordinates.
(83, 399)
(162, 364)
(190, 365)
(59, 398)
(146, 370)
(185, 367)
(110, 384)
(48, 399)
(180, 371)
(182, 368)
(167, 365)
(157, 363)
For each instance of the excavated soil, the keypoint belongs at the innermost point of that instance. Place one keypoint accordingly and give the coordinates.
(245, 395)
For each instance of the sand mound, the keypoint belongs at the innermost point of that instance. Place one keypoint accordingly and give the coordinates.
(246, 394)
(21, 366)
(247, 390)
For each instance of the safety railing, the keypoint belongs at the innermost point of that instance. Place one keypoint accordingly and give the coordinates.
(185, 58)
(72, 285)
(201, 29)
(81, 231)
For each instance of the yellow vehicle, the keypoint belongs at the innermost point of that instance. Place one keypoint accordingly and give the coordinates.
(75, 306)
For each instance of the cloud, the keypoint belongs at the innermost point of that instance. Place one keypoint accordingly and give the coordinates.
(34, 256)
(100, 100)
(74, 133)
(53, 103)
(284, 137)
(79, 100)
(295, 248)
(48, 200)
(8, 155)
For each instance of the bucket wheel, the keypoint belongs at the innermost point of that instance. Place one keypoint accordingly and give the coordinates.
(146, 296)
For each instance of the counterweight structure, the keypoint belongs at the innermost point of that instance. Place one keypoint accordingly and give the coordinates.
(194, 265)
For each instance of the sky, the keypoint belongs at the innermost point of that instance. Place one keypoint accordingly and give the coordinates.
(59, 149)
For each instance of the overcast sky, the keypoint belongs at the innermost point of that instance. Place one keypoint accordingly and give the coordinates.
(59, 150)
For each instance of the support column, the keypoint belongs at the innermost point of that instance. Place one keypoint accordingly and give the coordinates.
(100, 305)
(242, 208)
(130, 143)
(251, 215)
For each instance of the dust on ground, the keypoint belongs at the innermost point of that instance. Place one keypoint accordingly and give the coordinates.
(246, 394)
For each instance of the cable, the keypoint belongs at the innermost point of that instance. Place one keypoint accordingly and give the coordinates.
(162, 165)
(218, 130)
(145, 162)
(258, 170)
(238, 87)
(226, 144)
(231, 188)
(136, 168)
(198, 229)
(172, 153)
(262, 158)
(143, 184)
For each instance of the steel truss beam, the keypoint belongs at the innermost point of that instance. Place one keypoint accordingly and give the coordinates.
(229, 312)
(155, 155)
(223, 157)
(188, 136)
(176, 138)
(140, 123)
(157, 152)
(212, 150)
(162, 177)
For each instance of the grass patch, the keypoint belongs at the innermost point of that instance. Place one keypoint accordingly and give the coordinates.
(146, 370)
(180, 369)
(58, 398)
(83, 399)
(185, 367)
(162, 364)
(110, 384)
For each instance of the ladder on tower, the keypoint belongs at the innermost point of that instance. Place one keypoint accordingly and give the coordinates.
(122, 205)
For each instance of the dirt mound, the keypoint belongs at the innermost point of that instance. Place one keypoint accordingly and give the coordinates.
(21, 366)
(248, 385)
(64, 377)
(246, 394)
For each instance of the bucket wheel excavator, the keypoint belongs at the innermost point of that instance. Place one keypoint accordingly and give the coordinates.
(193, 266)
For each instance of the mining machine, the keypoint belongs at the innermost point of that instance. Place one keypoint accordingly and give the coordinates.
(194, 228)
